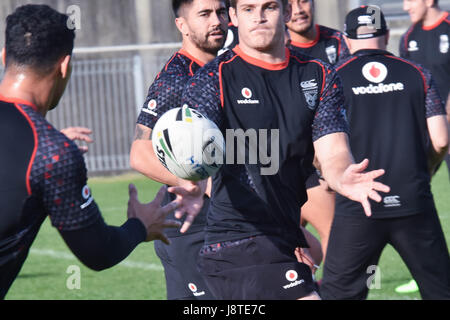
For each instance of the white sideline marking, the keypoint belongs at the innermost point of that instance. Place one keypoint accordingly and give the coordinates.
(66, 256)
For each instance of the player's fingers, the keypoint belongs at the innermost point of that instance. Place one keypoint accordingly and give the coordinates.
(366, 205)
(375, 196)
(169, 208)
(133, 192)
(187, 223)
(180, 191)
(159, 196)
(378, 186)
(360, 167)
(164, 239)
(171, 224)
(83, 149)
(179, 214)
(83, 130)
(376, 173)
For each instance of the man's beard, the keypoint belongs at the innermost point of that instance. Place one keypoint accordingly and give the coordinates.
(208, 46)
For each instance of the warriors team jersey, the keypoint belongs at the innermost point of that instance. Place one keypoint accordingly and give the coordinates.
(281, 109)
(165, 94)
(430, 46)
(42, 173)
(389, 100)
(328, 46)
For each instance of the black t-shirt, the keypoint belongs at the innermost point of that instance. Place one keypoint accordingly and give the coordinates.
(329, 46)
(430, 46)
(389, 100)
(165, 94)
(299, 101)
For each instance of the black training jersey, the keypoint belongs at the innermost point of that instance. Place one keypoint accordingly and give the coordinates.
(165, 94)
(42, 173)
(328, 46)
(430, 47)
(285, 107)
(389, 100)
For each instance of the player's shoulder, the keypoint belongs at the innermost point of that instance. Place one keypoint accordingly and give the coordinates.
(177, 64)
(326, 32)
(212, 68)
(298, 57)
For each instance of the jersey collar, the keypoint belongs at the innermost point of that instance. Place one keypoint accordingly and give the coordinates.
(261, 63)
(187, 55)
(437, 24)
(18, 101)
(372, 52)
(310, 44)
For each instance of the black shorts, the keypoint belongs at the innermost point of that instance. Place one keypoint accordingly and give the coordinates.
(312, 181)
(356, 243)
(179, 259)
(258, 268)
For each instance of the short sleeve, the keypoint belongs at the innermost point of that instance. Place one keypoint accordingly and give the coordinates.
(163, 95)
(434, 104)
(62, 175)
(203, 94)
(331, 113)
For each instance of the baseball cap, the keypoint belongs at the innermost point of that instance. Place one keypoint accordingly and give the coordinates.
(365, 22)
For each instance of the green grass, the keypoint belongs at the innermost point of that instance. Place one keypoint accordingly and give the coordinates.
(44, 276)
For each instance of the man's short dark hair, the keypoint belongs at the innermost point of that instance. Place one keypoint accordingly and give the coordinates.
(177, 4)
(234, 2)
(37, 36)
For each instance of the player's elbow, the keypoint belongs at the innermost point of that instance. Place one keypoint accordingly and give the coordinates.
(135, 159)
(441, 144)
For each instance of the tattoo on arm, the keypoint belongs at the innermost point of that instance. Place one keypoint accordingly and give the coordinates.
(142, 133)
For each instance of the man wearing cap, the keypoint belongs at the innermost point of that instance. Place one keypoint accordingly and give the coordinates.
(391, 102)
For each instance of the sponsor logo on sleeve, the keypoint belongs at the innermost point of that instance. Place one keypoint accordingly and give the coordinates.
(195, 291)
(86, 194)
(150, 108)
(292, 277)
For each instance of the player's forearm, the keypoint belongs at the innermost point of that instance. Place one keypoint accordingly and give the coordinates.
(334, 157)
(100, 246)
(143, 160)
(438, 129)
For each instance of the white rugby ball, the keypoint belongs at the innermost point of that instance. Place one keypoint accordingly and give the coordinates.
(189, 145)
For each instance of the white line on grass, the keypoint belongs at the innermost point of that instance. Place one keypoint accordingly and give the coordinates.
(66, 256)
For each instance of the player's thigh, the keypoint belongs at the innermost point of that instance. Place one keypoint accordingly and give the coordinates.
(420, 241)
(319, 209)
(355, 244)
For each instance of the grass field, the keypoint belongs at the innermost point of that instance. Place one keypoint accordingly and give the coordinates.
(141, 276)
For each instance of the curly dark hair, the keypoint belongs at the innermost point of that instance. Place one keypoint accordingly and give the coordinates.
(37, 36)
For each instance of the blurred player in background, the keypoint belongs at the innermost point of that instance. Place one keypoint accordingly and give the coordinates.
(328, 45)
(253, 221)
(427, 42)
(203, 25)
(398, 120)
(42, 172)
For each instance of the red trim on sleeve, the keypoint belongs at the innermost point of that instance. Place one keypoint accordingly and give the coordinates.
(405, 42)
(33, 156)
(346, 63)
(261, 63)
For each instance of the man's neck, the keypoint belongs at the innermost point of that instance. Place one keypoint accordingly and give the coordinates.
(275, 55)
(198, 54)
(24, 87)
(433, 16)
(308, 36)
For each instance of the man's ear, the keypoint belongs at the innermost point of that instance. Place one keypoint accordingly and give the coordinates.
(4, 57)
(388, 36)
(182, 26)
(233, 16)
(347, 43)
(65, 67)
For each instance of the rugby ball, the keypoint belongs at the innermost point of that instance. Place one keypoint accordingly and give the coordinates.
(188, 144)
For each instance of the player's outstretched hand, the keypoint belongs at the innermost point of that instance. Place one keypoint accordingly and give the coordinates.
(358, 185)
(190, 197)
(79, 134)
(152, 215)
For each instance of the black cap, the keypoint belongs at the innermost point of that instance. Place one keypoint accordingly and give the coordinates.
(370, 17)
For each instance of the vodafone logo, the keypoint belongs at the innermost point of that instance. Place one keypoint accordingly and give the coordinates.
(375, 72)
(86, 192)
(151, 106)
(291, 275)
(247, 93)
(194, 290)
